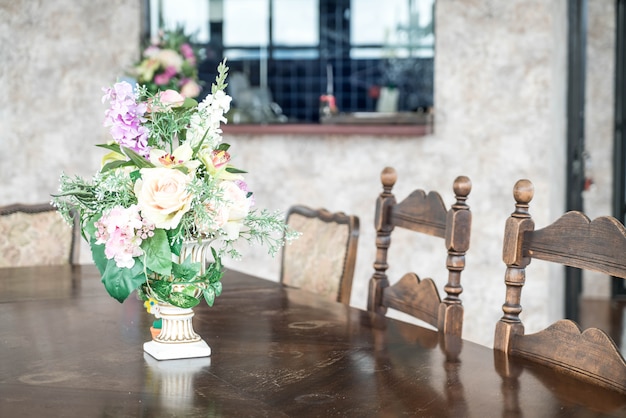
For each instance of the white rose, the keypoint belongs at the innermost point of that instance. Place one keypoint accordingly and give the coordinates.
(162, 196)
(238, 207)
(236, 200)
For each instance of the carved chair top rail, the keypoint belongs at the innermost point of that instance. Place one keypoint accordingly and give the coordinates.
(575, 240)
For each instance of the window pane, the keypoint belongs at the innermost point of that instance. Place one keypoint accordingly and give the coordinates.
(295, 22)
(295, 54)
(246, 22)
(192, 15)
(403, 28)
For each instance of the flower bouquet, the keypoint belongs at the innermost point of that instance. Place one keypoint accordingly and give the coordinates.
(169, 63)
(166, 182)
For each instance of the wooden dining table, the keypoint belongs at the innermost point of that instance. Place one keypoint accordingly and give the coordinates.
(67, 349)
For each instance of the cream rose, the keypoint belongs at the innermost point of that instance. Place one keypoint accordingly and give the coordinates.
(170, 58)
(162, 196)
(190, 89)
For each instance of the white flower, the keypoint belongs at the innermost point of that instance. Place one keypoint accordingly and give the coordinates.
(205, 124)
(180, 157)
(237, 206)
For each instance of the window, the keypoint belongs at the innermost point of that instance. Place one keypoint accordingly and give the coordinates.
(285, 54)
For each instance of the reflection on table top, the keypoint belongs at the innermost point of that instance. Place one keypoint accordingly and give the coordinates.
(69, 349)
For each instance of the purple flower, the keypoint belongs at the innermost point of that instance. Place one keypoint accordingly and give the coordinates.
(125, 118)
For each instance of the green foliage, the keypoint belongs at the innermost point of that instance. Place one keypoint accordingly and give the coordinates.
(186, 271)
(182, 300)
(157, 253)
(121, 282)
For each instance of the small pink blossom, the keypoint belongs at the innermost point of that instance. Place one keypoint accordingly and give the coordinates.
(122, 230)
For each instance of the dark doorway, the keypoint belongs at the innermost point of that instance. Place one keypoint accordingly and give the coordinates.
(576, 65)
(619, 150)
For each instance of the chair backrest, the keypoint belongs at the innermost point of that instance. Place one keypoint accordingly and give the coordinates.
(572, 240)
(323, 258)
(423, 213)
(36, 234)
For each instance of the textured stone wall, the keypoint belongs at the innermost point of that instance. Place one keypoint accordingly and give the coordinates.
(56, 56)
(500, 116)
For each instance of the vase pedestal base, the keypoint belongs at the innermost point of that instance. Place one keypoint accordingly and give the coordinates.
(171, 351)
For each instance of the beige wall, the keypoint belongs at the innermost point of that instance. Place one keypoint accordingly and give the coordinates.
(500, 116)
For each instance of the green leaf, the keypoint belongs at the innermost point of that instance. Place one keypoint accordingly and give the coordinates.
(175, 244)
(111, 147)
(137, 159)
(182, 300)
(217, 286)
(89, 227)
(189, 290)
(120, 282)
(189, 103)
(134, 175)
(186, 271)
(223, 147)
(234, 170)
(115, 164)
(97, 253)
(158, 256)
(209, 296)
(161, 289)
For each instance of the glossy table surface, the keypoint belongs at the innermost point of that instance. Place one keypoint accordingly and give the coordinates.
(68, 349)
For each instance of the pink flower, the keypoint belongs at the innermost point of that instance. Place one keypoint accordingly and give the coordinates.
(166, 100)
(219, 158)
(122, 231)
(151, 51)
(190, 88)
(162, 79)
(171, 98)
(187, 52)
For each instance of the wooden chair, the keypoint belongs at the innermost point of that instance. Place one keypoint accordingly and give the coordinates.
(572, 240)
(426, 214)
(323, 258)
(36, 234)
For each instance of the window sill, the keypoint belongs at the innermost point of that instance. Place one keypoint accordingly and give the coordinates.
(329, 129)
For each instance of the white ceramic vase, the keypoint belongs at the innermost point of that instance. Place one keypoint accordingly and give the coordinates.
(177, 339)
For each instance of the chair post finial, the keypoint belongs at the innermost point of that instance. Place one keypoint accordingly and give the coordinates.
(523, 193)
(385, 201)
